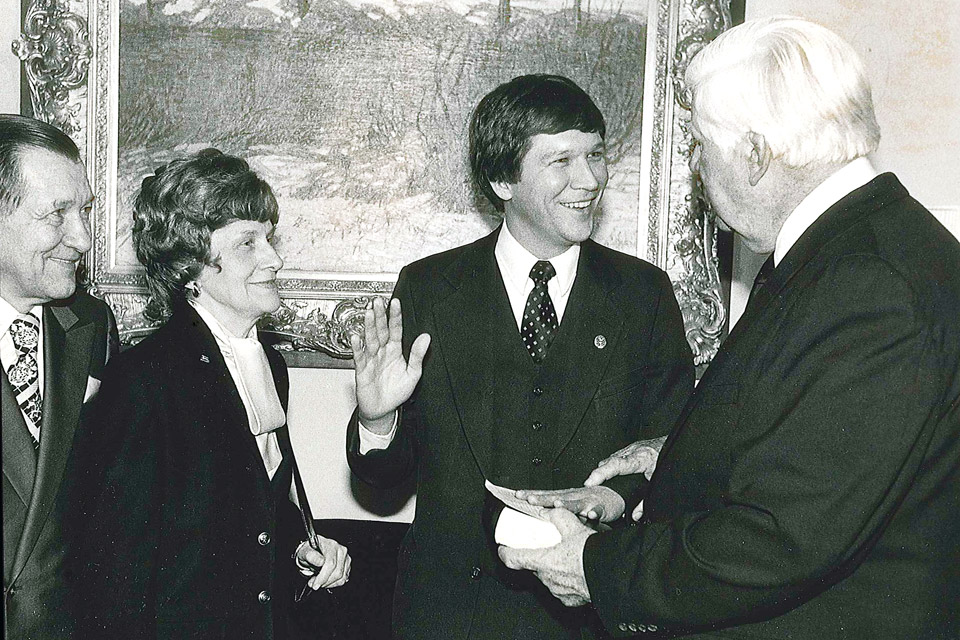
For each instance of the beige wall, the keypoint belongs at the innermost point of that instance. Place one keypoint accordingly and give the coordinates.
(912, 55)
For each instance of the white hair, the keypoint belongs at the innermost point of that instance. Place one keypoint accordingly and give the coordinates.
(793, 81)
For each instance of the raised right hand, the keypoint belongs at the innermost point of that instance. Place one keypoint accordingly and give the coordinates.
(384, 379)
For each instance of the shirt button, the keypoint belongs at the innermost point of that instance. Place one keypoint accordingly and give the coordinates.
(263, 597)
(263, 539)
(536, 462)
(537, 426)
(475, 573)
(537, 391)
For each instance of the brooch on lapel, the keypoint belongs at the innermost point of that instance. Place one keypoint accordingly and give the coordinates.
(204, 358)
(600, 342)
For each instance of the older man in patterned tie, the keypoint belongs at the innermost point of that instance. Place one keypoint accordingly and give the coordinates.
(54, 341)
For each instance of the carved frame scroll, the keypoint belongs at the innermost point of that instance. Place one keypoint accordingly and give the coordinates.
(70, 49)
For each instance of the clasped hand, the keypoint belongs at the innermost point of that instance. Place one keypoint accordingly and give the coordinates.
(327, 567)
(385, 380)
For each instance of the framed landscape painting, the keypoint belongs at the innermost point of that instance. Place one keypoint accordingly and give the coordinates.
(356, 112)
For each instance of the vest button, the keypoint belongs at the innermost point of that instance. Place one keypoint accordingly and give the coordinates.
(537, 391)
(263, 539)
(263, 597)
(537, 426)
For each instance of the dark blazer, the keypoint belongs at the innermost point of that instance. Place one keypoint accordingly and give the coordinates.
(37, 603)
(619, 369)
(188, 534)
(811, 488)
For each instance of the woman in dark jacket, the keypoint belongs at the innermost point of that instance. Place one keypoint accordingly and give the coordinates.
(190, 530)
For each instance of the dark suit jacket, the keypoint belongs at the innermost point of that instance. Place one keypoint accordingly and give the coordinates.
(184, 535)
(483, 410)
(37, 602)
(811, 488)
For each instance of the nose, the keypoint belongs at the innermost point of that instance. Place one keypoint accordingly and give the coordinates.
(589, 175)
(76, 234)
(272, 260)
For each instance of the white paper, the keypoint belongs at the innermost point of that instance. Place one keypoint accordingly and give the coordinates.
(522, 525)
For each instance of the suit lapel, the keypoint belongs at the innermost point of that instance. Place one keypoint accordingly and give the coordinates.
(19, 456)
(591, 318)
(473, 322)
(203, 358)
(67, 345)
(876, 194)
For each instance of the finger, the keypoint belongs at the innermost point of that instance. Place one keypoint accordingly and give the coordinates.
(359, 356)
(395, 323)
(380, 313)
(514, 558)
(370, 336)
(417, 353)
(612, 467)
(638, 512)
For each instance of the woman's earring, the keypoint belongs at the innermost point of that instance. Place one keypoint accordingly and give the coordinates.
(193, 287)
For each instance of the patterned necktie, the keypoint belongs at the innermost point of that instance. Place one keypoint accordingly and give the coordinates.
(540, 323)
(24, 375)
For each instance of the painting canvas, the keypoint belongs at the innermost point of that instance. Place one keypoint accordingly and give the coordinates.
(356, 111)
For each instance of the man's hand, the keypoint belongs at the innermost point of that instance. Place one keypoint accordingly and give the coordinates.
(327, 568)
(560, 567)
(593, 503)
(637, 457)
(384, 379)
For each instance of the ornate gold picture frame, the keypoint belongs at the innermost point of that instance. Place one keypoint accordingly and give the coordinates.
(350, 213)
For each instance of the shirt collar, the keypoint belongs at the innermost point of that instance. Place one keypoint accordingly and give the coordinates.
(8, 314)
(220, 332)
(516, 262)
(845, 180)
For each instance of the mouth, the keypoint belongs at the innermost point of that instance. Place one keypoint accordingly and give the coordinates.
(578, 205)
(70, 263)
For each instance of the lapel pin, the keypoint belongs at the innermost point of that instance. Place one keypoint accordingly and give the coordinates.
(204, 358)
(600, 342)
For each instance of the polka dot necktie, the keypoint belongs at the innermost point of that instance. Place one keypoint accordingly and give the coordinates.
(24, 375)
(540, 324)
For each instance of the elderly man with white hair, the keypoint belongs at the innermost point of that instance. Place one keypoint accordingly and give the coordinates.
(811, 486)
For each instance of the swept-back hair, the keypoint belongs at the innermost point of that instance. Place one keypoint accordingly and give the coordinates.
(179, 207)
(17, 134)
(509, 116)
(793, 81)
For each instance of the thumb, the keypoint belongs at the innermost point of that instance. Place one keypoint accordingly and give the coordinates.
(565, 521)
(418, 351)
(513, 558)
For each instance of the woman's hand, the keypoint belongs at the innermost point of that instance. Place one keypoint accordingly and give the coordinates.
(327, 568)
(384, 379)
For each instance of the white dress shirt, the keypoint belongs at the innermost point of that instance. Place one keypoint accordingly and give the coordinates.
(8, 353)
(841, 183)
(515, 263)
(266, 442)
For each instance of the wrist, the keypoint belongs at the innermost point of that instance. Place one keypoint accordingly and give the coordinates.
(381, 425)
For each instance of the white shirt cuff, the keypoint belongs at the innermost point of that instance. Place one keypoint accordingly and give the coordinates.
(370, 440)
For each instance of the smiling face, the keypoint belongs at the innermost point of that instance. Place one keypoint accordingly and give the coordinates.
(244, 286)
(554, 203)
(42, 240)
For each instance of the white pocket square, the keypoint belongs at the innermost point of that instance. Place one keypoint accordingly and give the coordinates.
(93, 385)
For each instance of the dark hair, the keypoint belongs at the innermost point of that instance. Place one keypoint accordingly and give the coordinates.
(18, 133)
(507, 117)
(180, 206)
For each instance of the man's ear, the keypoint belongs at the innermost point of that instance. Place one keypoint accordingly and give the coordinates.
(504, 190)
(759, 157)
